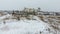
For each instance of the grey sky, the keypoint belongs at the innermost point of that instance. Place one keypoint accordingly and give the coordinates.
(46, 5)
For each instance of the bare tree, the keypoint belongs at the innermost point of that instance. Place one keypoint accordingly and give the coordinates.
(39, 9)
(13, 12)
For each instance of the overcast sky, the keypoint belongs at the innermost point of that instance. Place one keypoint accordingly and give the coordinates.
(45, 5)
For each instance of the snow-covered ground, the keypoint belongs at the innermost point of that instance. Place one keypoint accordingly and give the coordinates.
(25, 26)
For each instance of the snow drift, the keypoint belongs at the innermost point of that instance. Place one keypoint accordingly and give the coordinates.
(27, 27)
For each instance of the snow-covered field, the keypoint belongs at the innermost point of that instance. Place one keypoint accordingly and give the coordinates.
(25, 26)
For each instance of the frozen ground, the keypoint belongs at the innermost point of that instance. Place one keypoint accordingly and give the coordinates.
(26, 27)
